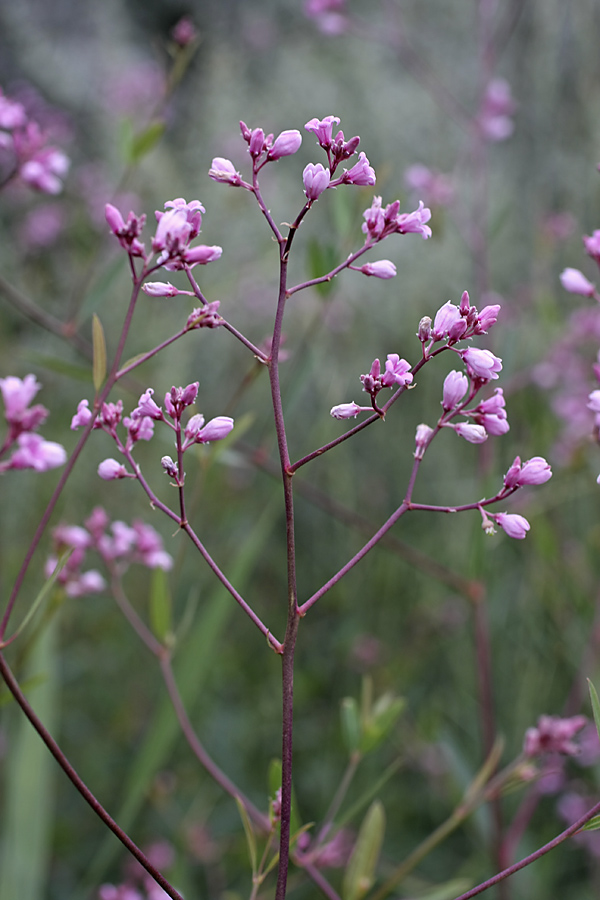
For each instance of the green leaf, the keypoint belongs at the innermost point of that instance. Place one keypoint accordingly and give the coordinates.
(592, 825)
(45, 590)
(595, 705)
(28, 813)
(250, 838)
(160, 605)
(350, 724)
(142, 143)
(60, 366)
(99, 345)
(360, 872)
(378, 719)
(322, 258)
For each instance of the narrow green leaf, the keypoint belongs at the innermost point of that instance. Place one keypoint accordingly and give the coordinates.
(250, 838)
(60, 366)
(142, 143)
(595, 705)
(350, 724)
(28, 813)
(592, 825)
(160, 605)
(360, 871)
(99, 345)
(45, 590)
(384, 715)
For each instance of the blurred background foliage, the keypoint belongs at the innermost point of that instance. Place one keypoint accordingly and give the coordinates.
(96, 74)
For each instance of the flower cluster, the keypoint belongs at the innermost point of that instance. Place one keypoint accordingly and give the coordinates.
(576, 282)
(140, 427)
(119, 546)
(25, 152)
(32, 451)
(379, 223)
(176, 228)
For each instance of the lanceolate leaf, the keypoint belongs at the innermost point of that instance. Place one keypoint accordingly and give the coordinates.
(99, 345)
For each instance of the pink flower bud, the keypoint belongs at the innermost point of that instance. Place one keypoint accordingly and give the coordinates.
(110, 469)
(446, 316)
(455, 387)
(223, 171)
(594, 401)
(486, 318)
(482, 364)
(287, 143)
(82, 416)
(511, 478)
(515, 526)
(160, 289)
(415, 222)
(383, 268)
(215, 430)
(535, 471)
(575, 282)
(323, 129)
(474, 434)
(424, 332)
(202, 254)
(257, 140)
(422, 439)
(592, 245)
(346, 410)
(316, 179)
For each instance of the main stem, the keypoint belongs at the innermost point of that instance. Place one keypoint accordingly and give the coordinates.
(293, 618)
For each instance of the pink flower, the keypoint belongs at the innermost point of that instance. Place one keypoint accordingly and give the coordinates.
(316, 179)
(223, 171)
(178, 398)
(415, 222)
(12, 113)
(323, 129)
(455, 388)
(553, 735)
(128, 233)
(361, 173)
(147, 407)
(17, 394)
(383, 268)
(474, 434)
(36, 453)
(110, 469)
(575, 282)
(396, 371)
(45, 170)
(515, 526)
(491, 414)
(482, 364)
(287, 143)
(486, 318)
(149, 548)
